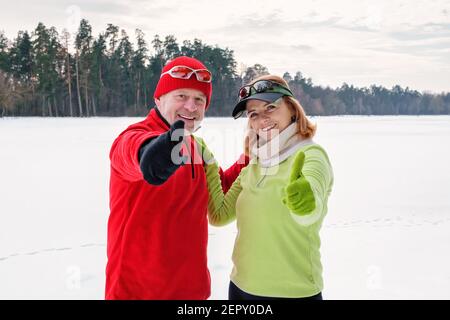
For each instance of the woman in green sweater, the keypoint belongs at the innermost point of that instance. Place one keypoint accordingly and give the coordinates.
(279, 200)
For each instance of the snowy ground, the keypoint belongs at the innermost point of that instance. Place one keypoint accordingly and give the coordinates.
(386, 236)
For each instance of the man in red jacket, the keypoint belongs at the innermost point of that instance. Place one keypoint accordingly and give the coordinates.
(157, 228)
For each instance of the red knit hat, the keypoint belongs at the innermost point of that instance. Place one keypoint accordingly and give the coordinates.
(166, 83)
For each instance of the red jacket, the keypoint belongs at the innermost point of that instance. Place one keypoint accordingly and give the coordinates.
(157, 235)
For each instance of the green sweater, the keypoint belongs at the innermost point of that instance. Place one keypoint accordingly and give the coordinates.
(276, 252)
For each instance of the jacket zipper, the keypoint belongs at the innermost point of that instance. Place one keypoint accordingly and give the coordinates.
(262, 179)
(192, 159)
(190, 151)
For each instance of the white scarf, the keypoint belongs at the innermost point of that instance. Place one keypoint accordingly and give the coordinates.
(279, 148)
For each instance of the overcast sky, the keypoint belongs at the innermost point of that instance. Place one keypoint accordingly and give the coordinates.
(358, 42)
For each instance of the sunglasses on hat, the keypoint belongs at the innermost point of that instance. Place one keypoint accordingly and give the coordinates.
(262, 86)
(184, 72)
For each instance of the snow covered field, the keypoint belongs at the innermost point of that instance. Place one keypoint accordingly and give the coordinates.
(386, 236)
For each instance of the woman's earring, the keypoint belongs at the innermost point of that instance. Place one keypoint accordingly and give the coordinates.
(293, 119)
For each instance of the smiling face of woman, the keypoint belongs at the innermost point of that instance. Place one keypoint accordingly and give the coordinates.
(268, 119)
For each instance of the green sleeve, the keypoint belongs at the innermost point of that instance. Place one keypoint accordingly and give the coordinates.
(221, 208)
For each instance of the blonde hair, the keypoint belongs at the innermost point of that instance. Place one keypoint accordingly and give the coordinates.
(305, 128)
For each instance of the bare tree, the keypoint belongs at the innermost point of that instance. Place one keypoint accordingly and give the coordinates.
(77, 71)
(66, 38)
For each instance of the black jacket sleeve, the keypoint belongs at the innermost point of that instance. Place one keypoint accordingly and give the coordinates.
(160, 157)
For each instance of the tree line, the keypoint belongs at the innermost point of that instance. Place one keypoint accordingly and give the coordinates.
(46, 73)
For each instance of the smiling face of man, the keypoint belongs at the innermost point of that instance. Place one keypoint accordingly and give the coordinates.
(183, 104)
